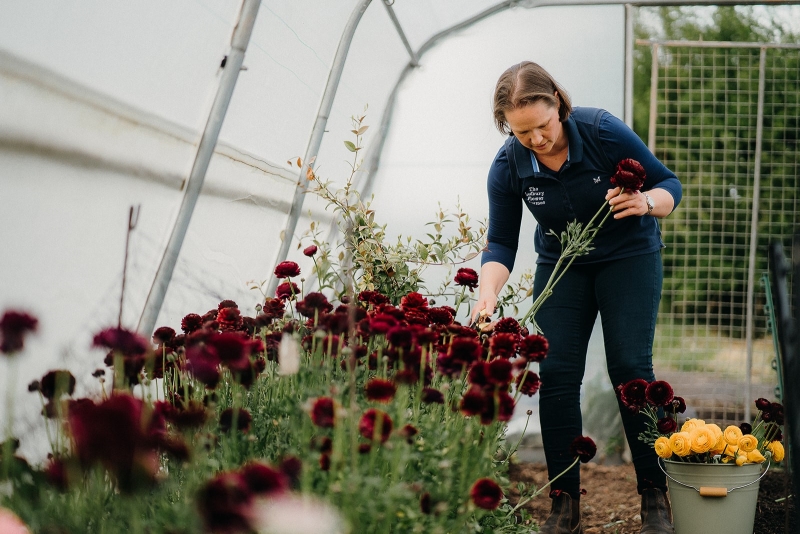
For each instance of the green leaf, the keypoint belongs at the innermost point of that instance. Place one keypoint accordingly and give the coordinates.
(350, 146)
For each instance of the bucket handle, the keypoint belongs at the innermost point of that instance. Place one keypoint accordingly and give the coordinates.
(712, 491)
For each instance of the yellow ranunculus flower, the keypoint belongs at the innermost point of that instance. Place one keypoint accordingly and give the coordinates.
(748, 442)
(732, 434)
(663, 450)
(691, 424)
(727, 459)
(755, 457)
(719, 444)
(701, 439)
(776, 448)
(741, 459)
(731, 450)
(680, 443)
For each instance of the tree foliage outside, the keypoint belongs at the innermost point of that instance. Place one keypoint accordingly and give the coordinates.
(706, 131)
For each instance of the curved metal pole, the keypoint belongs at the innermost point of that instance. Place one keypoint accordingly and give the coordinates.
(316, 133)
(230, 73)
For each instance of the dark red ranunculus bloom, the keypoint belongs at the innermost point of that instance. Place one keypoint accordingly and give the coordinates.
(400, 337)
(380, 390)
(373, 297)
(273, 308)
(57, 383)
(499, 372)
(659, 393)
(264, 479)
(507, 325)
(287, 290)
(746, 428)
(375, 425)
(432, 396)
(629, 175)
(127, 343)
(325, 462)
(227, 303)
(678, 405)
(777, 412)
(310, 250)
(465, 350)
(242, 417)
(193, 415)
(229, 319)
(666, 425)
(763, 404)
(322, 412)
(505, 408)
(323, 444)
(381, 323)
(486, 494)
(163, 335)
(417, 316)
(413, 300)
(530, 385)
(632, 394)
(203, 363)
(425, 503)
(224, 503)
(504, 344)
(473, 402)
(287, 269)
(466, 277)
(56, 474)
(408, 432)
(191, 322)
(440, 315)
(233, 349)
(315, 303)
(292, 467)
(583, 447)
(534, 348)
(14, 326)
(427, 336)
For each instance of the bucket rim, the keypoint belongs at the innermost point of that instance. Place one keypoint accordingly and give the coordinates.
(662, 467)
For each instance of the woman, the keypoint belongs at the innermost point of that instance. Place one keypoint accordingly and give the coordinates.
(558, 161)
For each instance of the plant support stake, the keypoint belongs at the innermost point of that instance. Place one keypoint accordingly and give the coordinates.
(230, 73)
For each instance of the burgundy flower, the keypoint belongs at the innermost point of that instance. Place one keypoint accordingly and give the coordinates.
(503, 344)
(229, 319)
(659, 393)
(467, 277)
(314, 304)
(57, 383)
(125, 342)
(507, 325)
(499, 372)
(505, 408)
(273, 308)
(425, 503)
(534, 348)
(408, 432)
(233, 349)
(666, 425)
(287, 269)
(441, 316)
(191, 322)
(163, 335)
(530, 385)
(473, 402)
(381, 323)
(56, 474)
(227, 304)
(629, 175)
(287, 290)
(310, 250)
(413, 300)
(465, 350)
(375, 424)
(264, 479)
(486, 494)
(776, 409)
(583, 447)
(763, 404)
(400, 337)
(678, 405)
(322, 412)
(432, 396)
(14, 326)
(292, 467)
(325, 462)
(380, 390)
(224, 503)
(746, 428)
(193, 415)
(242, 417)
(373, 297)
(203, 363)
(632, 394)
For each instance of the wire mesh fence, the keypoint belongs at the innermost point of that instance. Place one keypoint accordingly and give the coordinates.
(726, 118)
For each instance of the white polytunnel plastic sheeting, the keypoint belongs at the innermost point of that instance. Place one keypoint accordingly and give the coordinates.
(103, 102)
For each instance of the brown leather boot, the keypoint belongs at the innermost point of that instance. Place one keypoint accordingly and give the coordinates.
(565, 516)
(656, 513)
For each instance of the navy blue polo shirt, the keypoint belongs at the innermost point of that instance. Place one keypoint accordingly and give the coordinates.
(597, 142)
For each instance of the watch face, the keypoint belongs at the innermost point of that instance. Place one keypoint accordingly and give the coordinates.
(650, 203)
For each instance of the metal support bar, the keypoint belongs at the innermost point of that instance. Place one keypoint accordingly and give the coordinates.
(629, 40)
(751, 267)
(316, 133)
(208, 141)
(392, 15)
(651, 128)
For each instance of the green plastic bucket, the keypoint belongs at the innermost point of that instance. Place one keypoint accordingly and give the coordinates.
(713, 498)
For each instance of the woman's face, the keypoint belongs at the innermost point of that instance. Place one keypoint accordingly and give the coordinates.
(537, 127)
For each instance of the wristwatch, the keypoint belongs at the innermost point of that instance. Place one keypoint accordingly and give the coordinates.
(650, 204)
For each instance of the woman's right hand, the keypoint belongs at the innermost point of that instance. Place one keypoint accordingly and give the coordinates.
(493, 277)
(485, 305)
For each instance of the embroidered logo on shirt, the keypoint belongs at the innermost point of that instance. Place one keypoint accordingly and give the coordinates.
(534, 196)
(596, 180)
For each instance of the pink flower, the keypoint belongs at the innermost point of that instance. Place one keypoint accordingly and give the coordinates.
(287, 269)
(629, 175)
(375, 425)
(486, 494)
(467, 277)
(14, 326)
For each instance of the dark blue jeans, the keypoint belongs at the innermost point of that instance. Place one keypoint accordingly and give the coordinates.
(626, 293)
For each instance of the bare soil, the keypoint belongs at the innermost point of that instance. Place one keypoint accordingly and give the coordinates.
(611, 504)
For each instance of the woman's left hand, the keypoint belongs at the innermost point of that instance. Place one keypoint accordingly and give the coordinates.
(626, 204)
